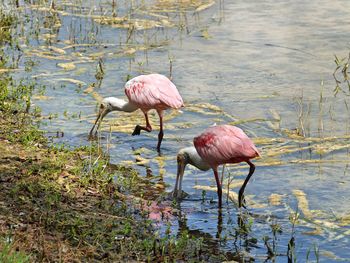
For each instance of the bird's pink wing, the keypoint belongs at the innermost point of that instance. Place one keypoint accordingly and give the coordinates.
(153, 91)
(225, 144)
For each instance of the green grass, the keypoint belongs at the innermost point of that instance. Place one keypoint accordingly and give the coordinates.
(83, 207)
(7, 23)
(9, 255)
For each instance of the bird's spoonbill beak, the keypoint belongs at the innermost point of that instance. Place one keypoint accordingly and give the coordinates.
(101, 114)
(181, 164)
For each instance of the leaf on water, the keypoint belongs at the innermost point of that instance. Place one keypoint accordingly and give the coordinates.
(45, 54)
(205, 6)
(168, 6)
(151, 14)
(276, 199)
(47, 36)
(232, 195)
(127, 162)
(141, 150)
(41, 97)
(344, 234)
(160, 160)
(303, 204)
(171, 115)
(67, 42)
(125, 22)
(293, 134)
(246, 121)
(57, 50)
(66, 66)
(274, 125)
(97, 55)
(178, 126)
(89, 89)
(105, 20)
(166, 23)
(141, 161)
(262, 140)
(80, 71)
(284, 150)
(316, 232)
(74, 81)
(130, 51)
(328, 254)
(209, 107)
(141, 24)
(275, 114)
(325, 148)
(4, 70)
(344, 220)
(197, 109)
(205, 33)
(97, 96)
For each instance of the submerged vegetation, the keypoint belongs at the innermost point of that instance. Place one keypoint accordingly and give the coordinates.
(63, 203)
(7, 23)
(341, 75)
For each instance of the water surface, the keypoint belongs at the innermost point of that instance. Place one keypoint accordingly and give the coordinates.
(266, 67)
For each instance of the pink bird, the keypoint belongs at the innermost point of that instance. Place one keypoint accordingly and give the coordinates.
(145, 92)
(215, 146)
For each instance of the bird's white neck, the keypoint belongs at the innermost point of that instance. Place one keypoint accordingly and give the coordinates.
(120, 104)
(194, 158)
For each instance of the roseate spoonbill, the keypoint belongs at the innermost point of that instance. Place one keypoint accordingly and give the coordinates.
(145, 92)
(215, 146)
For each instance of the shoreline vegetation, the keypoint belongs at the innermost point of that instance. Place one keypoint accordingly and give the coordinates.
(71, 205)
(59, 204)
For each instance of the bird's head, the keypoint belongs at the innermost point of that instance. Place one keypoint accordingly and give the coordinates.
(183, 158)
(189, 155)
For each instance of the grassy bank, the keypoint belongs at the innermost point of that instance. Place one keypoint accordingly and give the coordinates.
(59, 204)
(64, 205)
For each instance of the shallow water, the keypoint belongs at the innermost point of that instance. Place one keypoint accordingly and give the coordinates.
(259, 65)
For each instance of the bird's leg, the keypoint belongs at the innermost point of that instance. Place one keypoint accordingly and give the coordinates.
(219, 227)
(241, 200)
(161, 133)
(218, 184)
(138, 128)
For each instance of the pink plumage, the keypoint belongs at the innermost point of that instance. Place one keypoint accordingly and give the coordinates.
(153, 91)
(145, 92)
(225, 144)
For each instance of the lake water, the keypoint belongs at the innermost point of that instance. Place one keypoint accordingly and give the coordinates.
(266, 67)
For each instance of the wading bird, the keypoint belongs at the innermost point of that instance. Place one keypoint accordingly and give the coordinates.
(145, 92)
(217, 145)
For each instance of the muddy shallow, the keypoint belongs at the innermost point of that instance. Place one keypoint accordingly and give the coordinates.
(266, 67)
